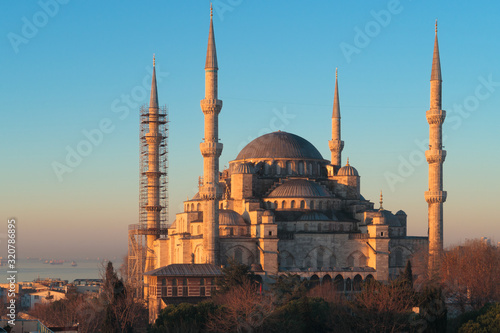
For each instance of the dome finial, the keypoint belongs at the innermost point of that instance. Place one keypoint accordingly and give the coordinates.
(336, 72)
(381, 200)
(347, 164)
(211, 10)
(436, 29)
(154, 60)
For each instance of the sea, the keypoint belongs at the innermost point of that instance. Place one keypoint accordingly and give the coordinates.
(31, 269)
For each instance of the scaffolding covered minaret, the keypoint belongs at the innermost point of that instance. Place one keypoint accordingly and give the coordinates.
(211, 149)
(153, 188)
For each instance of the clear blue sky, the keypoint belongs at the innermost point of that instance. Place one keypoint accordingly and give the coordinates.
(79, 65)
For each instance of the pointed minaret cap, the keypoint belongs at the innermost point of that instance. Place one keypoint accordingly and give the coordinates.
(436, 63)
(153, 100)
(211, 61)
(336, 103)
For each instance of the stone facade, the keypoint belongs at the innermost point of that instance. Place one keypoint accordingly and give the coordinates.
(281, 207)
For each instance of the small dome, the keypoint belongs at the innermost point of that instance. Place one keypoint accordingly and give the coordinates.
(244, 168)
(400, 212)
(314, 216)
(279, 145)
(268, 213)
(348, 170)
(296, 188)
(230, 218)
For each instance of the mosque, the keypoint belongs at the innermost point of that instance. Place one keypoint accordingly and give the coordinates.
(282, 207)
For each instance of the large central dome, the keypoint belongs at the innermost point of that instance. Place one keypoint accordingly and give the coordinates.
(279, 145)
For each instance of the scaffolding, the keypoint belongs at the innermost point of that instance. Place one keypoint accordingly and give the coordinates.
(137, 233)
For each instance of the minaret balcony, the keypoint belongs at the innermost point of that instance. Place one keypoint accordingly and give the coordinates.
(435, 117)
(435, 196)
(435, 156)
(210, 192)
(211, 149)
(336, 145)
(211, 106)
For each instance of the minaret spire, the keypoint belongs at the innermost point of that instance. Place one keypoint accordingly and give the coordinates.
(336, 144)
(153, 100)
(435, 156)
(211, 150)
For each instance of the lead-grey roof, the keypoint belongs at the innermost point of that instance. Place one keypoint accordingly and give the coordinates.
(301, 188)
(279, 145)
(186, 270)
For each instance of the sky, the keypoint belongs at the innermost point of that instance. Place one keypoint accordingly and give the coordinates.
(74, 75)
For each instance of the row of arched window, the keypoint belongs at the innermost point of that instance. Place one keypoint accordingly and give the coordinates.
(191, 207)
(300, 204)
(341, 284)
(318, 227)
(289, 168)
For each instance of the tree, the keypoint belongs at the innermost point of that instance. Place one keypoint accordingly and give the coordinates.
(407, 275)
(242, 309)
(288, 287)
(470, 274)
(233, 274)
(488, 320)
(121, 311)
(381, 307)
(184, 317)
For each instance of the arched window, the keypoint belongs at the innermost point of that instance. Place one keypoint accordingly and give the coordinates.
(283, 205)
(238, 255)
(275, 205)
(302, 204)
(348, 284)
(278, 168)
(242, 232)
(288, 167)
(320, 205)
(301, 168)
(311, 204)
(356, 286)
(306, 227)
(339, 282)
(266, 168)
(319, 227)
(309, 169)
(231, 232)
(327, 279)
(333, 261)
(314, 280)
(221, 205)
(399, 257)
(319, 258)
(292, 204)
(362, 261)
(350, 261)
(198, 207)
(289, 261)
(192, 206)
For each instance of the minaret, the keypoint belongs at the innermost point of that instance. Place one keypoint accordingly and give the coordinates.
(336, 144)
(153, 207)
(435, 156)
(211, 149)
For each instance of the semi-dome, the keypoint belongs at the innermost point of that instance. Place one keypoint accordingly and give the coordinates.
(401, 212)
(348, 170)
(279, 145)
(299, 188)
(229, 217)
(244, 168)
